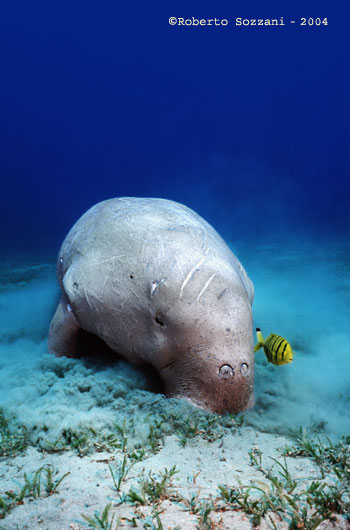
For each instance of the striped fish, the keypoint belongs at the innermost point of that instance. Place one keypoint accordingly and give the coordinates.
(277, 350)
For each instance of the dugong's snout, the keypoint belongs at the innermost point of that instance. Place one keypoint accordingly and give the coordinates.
(219, 386)
(234, 390)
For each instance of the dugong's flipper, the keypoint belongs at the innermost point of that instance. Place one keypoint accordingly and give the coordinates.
(64, 331)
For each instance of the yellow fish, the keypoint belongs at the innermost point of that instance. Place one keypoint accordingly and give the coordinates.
(277, 350)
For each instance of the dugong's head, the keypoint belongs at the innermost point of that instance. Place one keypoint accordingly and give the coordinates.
(210, 359)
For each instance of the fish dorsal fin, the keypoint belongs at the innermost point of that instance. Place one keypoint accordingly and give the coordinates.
(260, 340)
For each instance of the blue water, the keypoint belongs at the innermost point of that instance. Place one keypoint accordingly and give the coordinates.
(247, 126)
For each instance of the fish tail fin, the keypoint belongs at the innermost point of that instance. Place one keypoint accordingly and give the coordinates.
(260, 340)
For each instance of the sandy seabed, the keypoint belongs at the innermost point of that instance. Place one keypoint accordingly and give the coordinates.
(202, 466)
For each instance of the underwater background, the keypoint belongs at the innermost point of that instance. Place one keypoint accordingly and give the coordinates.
(248, 126)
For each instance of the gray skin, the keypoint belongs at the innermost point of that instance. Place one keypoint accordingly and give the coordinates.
(158, 285)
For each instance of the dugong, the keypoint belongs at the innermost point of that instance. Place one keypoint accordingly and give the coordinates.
(158, 285)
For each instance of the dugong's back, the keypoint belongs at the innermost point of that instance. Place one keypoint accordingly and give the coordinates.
(158, 284)
(150, 231)
(149, 223)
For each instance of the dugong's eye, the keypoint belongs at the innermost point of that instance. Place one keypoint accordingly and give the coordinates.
(159, 319)
(226, 371)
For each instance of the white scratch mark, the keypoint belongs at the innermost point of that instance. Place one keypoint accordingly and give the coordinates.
(87, 296)
(177, 263)
(155, 285)
(161, 249)
(192, 272)
(206, 286)
(104, 286)
(112, 259)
